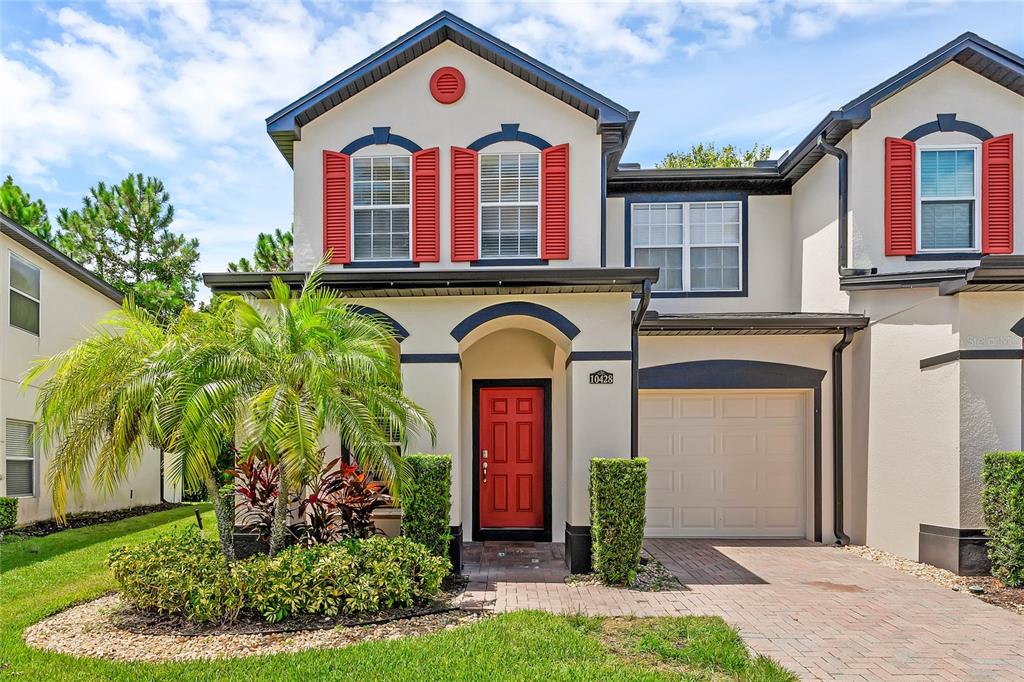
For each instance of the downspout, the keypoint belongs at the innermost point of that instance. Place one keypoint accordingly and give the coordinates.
(844, 209)
(638, 317)
(837, 436)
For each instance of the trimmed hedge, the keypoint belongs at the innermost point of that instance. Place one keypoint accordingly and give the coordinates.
(8, 513)
(426, 508)
(618, 491)
(1003, 504)
(183, 574)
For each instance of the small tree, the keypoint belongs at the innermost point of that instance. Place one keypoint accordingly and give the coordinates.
(122, 233)
(17, 205)
(705, 155)
(273, 253)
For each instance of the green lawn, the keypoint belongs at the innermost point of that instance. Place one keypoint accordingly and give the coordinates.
(43, 575)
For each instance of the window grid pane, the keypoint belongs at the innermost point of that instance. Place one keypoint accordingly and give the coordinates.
(20, 458)
(509, 205)
(947, 225)
(24, 277)
(696, 245)
(947, 173)
(381, 187)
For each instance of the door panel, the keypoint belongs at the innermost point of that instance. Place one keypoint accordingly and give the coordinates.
(512, 434)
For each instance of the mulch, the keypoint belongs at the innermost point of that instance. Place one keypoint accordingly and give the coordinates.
(1011, 598)
(48, 527)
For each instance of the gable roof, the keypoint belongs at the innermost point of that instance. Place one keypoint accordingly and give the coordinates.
(969, 50)
(285, 126)
(37, 246)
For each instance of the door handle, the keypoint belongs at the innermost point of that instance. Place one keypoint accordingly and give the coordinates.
(484, 458)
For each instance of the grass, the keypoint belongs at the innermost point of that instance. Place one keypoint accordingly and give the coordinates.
(40, 576)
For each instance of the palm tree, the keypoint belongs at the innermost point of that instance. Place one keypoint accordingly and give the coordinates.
(106, 398)
(306, 363)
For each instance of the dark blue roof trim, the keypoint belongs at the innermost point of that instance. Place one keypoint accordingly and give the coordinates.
(947, 123)
(969, 50)
(715, 374)
(382, 135)
(509, 133)
(397, 330)
(285, 126)
(552, 317)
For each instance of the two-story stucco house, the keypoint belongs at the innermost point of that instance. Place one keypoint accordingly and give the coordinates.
(817, 347)
(49, 302)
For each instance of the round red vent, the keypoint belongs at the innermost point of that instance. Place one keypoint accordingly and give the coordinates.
(447, 85)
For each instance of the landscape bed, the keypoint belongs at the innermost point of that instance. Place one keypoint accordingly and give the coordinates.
(45, 576)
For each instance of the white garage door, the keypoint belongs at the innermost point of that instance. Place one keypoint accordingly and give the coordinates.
(724, 463)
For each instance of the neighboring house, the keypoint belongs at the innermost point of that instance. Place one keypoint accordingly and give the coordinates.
(551, 305)
(49, 302)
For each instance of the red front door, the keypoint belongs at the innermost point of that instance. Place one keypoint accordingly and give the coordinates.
(512, 448)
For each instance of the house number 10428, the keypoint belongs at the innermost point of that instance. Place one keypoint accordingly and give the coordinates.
(602, 377)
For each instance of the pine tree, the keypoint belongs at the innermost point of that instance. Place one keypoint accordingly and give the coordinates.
(273, 253)
(17, 205)
(122, 233)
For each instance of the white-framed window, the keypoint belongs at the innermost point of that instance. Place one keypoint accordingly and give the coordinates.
(24, 295)
(381, 190)
(20, 458)
(948, 196)
(510, 205)
(697, 245)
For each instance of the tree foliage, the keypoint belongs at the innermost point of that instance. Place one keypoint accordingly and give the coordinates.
(273, 253)
(271, 377)
(122, 233)
(706, 155)
(19, 207)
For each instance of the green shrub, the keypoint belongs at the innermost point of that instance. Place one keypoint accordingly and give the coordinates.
(1003, 504)
(177, 573)
(426, 508)
(618, 490)
(8, 513)
(183, 574)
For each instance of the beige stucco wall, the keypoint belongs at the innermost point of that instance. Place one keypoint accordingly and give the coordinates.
(493, 96)
(68, 310)
(587, 420)
(813, 351)
(908, 427)
(951, 89)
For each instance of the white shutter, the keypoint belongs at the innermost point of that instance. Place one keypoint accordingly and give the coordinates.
(19, 453)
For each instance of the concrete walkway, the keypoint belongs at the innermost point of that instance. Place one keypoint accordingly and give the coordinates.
(821, 612)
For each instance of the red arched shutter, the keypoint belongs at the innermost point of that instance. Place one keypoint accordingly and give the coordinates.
(426, 206)
(997, 195)
(900, 196)
(464, 204)
(554, 203)
(336, 207)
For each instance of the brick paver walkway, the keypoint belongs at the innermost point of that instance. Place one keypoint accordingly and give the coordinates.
(819, 611)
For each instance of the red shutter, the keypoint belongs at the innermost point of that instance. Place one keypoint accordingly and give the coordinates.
(997, 195)
(900, 196)
(464, 204)
(426, 206)
(554, 203)
(336, 207)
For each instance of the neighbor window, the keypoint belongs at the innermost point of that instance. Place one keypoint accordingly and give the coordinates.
(19, 453)
(509, 205)
(380, 206)
(696, 245)
(948, 195)
(24, 295)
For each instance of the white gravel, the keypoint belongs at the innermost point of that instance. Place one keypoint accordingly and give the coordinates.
(939, 576)
(90, 630)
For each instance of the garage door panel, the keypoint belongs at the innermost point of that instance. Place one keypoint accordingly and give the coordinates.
(739, 407)
(697, 443)
(739, 444)
(725, 463)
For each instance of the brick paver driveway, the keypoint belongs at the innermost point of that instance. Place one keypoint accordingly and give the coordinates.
(821, 612)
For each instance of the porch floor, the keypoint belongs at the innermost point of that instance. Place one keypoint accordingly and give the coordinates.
(821, 612)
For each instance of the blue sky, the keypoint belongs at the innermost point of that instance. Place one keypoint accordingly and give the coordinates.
(180, 90)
